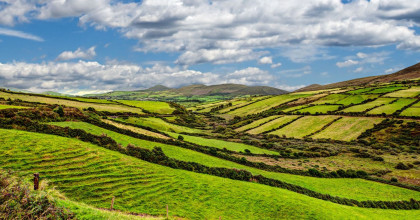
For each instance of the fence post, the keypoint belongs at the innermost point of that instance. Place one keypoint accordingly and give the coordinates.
(112, 203)
(167, 212)
(36, 181)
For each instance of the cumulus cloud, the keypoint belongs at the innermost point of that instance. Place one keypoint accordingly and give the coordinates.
(19, 34)
(265, 60)
(94, 76)
(295, 73)
(347, 63)
(201, 31)
(78, 54)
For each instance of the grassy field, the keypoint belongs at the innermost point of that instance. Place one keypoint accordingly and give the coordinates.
(360, 91)
(151, 106)
(91, 174)
(77, 104)
(411, 92)
(347, 128)
(159, 124)
(372, 104)
(104, 101)
(304, 126)
(414, 110)
(391, 108)
(330, 99)
(319, 109)
(11, 106)
(355, 99)
(386, 89)
(233, 146)
(265, 104)
(339, 187)
(256, 123)
(291, 109)
(273, 124)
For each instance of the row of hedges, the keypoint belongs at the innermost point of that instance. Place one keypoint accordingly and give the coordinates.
(157, 156)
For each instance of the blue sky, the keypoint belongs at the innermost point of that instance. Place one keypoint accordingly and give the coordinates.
(78, 47)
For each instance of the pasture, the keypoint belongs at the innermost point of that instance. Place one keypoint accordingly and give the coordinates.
(273, 124)
(304, 126)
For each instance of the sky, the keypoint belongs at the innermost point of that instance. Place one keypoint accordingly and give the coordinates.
(93, 46)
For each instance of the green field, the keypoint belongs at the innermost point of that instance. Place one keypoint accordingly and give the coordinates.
(387, 89)
(355, 99)
(414, 110)
(256, 123)
(411, 92)
(330, 99)
(347, 128)
(265, 104)
(273, 124)
(372, 104)
(304, 126)
(360, 91)
(339, 187)
(151, 106)
(291, 109)
(77, 104)
(159, 124)
(319, 109)
(104, 101)
(233, 146)
(11, 106)
(93, 175)
(391, 108)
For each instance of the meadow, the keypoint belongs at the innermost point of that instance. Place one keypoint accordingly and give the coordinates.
(77, 104)
(257, 123)
(391, 108)
(151, 106)
(369, 105)
(319, 109)
(405, 93)
(11, 106)
(304, 126)
(347, 128)
(273, 124)
(159, 124)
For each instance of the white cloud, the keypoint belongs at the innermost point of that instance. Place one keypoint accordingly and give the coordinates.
(275, 65)
(295, 73)
(361, 55)
(265, 60)
(77, 77)
(19, 34)
(347, 63)
(78, 54)
(358, 70)
(221, 28)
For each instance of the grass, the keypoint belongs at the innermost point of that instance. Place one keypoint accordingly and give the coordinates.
(233, 146)
(408, 93)
(104, 101)
(265, 104)
(77, 104)
(372, 104)
(151, 106)
(319, 109)
(355, 99)
(387, 89)
(304, 126)
(159, 124)
(414, 110)
(273, 124)
(347, 128)
(330, 99)
(291, 109)
(360, 91)
(391, 108)
(11, 106)
(90, 174)
(256, 123)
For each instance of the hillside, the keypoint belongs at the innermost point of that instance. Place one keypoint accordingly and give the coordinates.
(191, 93)
(412, 72)
(322, 154)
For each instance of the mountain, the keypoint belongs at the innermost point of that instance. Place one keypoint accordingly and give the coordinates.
(54, 93)
(160, 92)
(412, 72)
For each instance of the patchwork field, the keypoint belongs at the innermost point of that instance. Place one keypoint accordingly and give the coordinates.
(256, 123)
(159, 124)
(304, 126)
(411, 92)
(319, 109)
(265, 104)
(47, 100)
(369, 105)
(330, 99)
(391, 108)
(273, 124)
(387, 89)
(347, 128)
(414, 110)
(355, 99)
(151, 106)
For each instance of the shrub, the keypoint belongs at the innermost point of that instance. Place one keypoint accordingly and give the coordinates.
(393, 179)
(402, 166)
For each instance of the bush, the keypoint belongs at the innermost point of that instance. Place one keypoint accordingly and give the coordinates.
(393, 179)
(402, 166)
